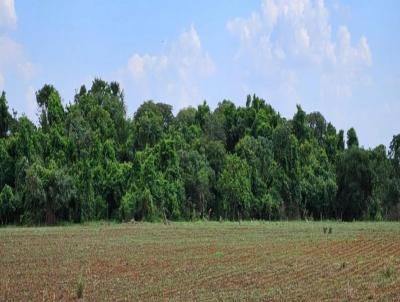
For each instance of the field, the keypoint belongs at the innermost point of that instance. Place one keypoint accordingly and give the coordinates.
(268, 261)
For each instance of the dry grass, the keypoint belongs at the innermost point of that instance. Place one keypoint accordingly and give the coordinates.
(283, 261)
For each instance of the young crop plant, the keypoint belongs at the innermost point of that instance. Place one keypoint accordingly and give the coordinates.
(80, 287)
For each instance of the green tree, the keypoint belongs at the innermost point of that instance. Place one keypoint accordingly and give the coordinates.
(52, 110)
(300, 128)
(227, 111)
(392, 200)
(381, 170)
(394, 152)
(331, 143)
(7, 163)
(286, 175)
(354, 180)
(197, 177)
(352, 139)
(49, 194)
(148, 127)
(89, 161)
(317, 181)
(202, 114)
(258, 153)
(340, 140)
(235, 187)
(138, 204)
(7, 205)
(5, 116)
(317, 124)
(26, 140)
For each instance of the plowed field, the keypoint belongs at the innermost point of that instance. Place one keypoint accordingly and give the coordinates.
(267, 261)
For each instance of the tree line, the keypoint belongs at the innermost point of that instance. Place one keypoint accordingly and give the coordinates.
(89, 161)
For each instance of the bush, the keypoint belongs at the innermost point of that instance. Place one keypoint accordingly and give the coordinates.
(7, 205)
(137, 204)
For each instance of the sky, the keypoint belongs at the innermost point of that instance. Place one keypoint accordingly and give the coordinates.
(340, 58)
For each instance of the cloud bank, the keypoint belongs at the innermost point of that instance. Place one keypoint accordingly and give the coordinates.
(13, 61)
(8, 17)
(174, 75)
(284, 42)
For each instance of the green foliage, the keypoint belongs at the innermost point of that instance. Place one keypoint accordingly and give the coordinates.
(197, 177)
(89, 161)
(5, 116)
(80, 287)
(138, 204)
(317, 124)
(355, 184)
(7, 205)
(352, 139)
(389, 271)
(317, 181)
(49, 194)
(27, 140)
(6, 163)
(300, 128)
(394, 151)
(235, 187)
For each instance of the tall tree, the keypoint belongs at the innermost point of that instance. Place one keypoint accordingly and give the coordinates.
(352, 139)
(5, 116)
(300, 124)
(235, 187)
(317, 124)
(354, 179)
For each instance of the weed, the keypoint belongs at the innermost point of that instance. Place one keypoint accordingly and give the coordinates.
(388, 272)
(219, 254)
(330, 230)
(325, 229)
(80, 287)
(349, 290)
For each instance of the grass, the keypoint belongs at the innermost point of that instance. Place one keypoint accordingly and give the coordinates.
(253, 261)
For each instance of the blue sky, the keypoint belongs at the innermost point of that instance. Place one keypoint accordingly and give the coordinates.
(337, 57)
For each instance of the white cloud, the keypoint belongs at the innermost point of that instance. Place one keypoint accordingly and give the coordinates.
(349, 55)
(13, 60)
(300, 28)
(8, 17)
(175, 74)
(16, 70)
(295, 38)
(246, 29)
(140, 66)
(348, 72)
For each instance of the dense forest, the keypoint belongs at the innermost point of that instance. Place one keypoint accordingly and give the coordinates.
(89, 161)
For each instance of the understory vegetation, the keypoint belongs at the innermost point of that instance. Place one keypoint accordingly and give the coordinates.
(88, 161)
